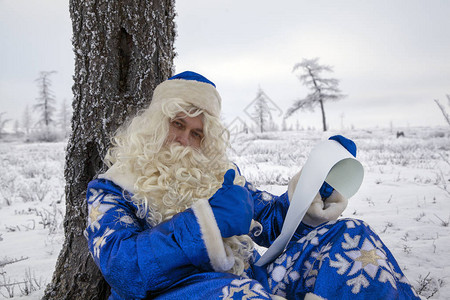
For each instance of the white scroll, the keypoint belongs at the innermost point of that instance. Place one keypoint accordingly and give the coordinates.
(329, 161)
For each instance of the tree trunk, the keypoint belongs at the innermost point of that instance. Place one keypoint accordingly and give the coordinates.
(123, 49)
(324, 121)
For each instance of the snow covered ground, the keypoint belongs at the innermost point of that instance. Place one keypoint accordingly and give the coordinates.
(405, 197)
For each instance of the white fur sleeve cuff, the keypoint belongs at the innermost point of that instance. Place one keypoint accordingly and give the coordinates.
(220, 257)
(320, 211)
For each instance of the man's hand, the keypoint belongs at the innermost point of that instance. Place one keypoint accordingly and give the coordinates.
(232, 206)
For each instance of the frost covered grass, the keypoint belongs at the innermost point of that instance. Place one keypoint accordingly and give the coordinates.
(31, 216)
(405, 197)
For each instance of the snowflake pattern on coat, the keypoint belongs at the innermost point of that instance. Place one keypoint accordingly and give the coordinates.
(282, 273)
(365, 263)
(98, 204)
(349, 255)
(99, 242)
(244, 289)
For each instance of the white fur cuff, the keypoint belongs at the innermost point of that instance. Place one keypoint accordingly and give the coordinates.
(292, 184)
(320, 211)
(221, 259)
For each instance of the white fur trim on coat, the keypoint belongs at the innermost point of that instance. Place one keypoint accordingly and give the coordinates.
(320, 211)
(120, 177)
(221, 258)
(200, 94)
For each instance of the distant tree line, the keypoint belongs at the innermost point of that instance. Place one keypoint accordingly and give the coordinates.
(45, 122)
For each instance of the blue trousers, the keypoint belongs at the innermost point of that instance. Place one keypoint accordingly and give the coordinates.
(344, 259)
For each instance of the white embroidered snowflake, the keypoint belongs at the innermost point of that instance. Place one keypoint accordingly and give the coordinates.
(313, 237)
(351, 223)
(314, 263)
(97, 207)
(94, 195)
(266, 196)
(244, 289)
(99, 242)
(362, 262)
(282, 272)
(124, 220)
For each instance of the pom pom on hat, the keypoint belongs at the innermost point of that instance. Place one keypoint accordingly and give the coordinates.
(192, 88)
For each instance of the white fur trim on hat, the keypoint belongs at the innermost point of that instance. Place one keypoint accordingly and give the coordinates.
(200, 94)
(221, 259)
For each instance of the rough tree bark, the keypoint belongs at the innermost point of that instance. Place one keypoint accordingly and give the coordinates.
(123, 49)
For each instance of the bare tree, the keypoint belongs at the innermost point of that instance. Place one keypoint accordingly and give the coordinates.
(26, 120)
(284, 125)
(123, 49)
(322, 89)
(2, 123)
(261, 112)
(443, 110)
(46, 99)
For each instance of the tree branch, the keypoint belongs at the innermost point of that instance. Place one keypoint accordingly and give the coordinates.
(441, 107)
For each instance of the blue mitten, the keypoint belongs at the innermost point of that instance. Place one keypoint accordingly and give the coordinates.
(346, 143)
(232, 206)
(326, 189)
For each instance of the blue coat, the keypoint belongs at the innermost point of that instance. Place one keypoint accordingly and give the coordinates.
(183, 259)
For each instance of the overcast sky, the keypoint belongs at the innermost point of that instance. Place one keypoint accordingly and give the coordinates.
(392, 57)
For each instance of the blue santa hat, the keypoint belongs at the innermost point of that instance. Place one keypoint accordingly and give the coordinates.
(192, 88)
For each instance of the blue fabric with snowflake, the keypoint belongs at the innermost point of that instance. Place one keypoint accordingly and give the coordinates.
(337, 260)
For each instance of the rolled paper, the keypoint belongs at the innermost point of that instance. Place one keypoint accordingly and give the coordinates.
(328, 161)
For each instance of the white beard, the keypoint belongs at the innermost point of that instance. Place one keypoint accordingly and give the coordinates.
(179, 176)
(176, 178)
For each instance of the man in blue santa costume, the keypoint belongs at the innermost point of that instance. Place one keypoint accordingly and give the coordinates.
(172, 218)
